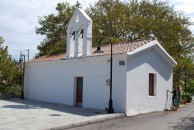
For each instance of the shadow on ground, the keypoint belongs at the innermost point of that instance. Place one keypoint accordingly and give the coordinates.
(31, 104)
(186, 123)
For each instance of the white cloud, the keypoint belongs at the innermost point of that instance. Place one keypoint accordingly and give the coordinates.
(18, 19)
(192, 28)
(184, 5)
(187, 7)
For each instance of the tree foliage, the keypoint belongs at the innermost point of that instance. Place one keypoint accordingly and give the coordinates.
(139, 20)
(126, 21)
(190, 86)
(10, 74)
(54, 28)
(110, 19)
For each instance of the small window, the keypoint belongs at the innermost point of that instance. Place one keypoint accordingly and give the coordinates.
(151, 84)
(77, 18)
(73, 34)
(82, 33)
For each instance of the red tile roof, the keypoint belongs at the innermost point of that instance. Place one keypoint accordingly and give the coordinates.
(117, 49)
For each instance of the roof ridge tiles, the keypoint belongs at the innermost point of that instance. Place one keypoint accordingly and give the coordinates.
(118, 48)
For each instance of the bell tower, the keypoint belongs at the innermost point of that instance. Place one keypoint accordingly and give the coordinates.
(79, 35)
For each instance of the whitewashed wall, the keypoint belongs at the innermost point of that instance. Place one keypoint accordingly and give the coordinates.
(54, 81)
(139, 67)
(80, 46)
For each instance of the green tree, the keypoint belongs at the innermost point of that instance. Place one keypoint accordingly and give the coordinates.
(134, 20)
(190, 86)
(110, 19)
(10, 74)
(139, 20)
(54, 28)
(128, 21)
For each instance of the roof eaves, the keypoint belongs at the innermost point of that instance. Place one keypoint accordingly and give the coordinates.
(153, 44)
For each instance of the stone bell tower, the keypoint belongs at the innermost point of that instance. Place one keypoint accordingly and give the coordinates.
(79, 35)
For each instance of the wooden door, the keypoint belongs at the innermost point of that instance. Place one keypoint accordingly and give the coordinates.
(79, 92)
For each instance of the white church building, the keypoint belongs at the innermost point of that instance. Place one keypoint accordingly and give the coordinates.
(142, 73)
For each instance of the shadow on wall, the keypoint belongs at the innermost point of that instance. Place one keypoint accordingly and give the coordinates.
(31, 104)
(186, 123)
(152, 58)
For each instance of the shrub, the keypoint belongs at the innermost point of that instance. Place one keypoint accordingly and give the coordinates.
(16, 90)
(189, 98)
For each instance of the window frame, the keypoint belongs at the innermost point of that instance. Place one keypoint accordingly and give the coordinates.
(152, 84)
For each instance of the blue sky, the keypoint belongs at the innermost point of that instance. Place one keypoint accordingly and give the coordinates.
(18, 19)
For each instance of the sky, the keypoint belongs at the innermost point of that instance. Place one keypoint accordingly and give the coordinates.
(18, 19)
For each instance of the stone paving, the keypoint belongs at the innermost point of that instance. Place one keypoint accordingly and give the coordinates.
(17, 114)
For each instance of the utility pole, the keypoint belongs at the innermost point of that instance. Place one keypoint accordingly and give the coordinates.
(28, 50)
